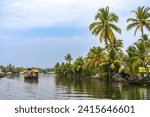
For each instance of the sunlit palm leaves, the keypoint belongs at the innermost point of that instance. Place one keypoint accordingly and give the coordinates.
(141, 20)
(95, 57)
(103, 27)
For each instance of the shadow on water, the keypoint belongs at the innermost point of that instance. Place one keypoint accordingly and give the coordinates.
(31, 81)
(103, 89)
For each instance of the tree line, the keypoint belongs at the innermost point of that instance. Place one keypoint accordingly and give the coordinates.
(16, 70)
(111, 61)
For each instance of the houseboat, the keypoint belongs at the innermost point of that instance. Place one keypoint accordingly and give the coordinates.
(31, 73)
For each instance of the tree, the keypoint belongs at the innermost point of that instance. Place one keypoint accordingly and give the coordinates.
(138, 55)
(78, 66)
(142, 20)
(95, 57)
(117, 45)
(104, 27)
(111, 63)
(68, 58)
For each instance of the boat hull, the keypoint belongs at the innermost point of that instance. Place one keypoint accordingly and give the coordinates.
(31, 77)
(139, 82)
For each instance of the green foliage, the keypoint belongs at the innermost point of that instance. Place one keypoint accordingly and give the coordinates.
(141, 20)
(68, 58)
(108, 61)
(139, 55)
(16, 70)
(103, 27)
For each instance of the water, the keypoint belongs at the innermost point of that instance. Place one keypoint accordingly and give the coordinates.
(48, 87)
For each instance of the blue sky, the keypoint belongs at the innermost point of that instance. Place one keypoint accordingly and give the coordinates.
(41, 32)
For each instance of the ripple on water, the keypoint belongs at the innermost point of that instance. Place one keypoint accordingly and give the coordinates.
(50, 88)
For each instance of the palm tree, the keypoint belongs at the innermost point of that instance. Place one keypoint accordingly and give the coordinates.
(95, 57)
(117, 45)
(104, 27)
(142, 20)
(111, 63)
(78, 66)
(57, 68)
(138, 56)
(68, 58)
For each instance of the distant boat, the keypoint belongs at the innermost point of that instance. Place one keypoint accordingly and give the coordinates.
(31, 73)
(51, 72)
(1, 74)
(8, 73)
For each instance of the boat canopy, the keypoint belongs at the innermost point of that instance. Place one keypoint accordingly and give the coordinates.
(32, 70)
(143, 70)
(35, 70)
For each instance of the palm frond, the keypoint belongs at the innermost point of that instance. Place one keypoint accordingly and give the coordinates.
(93, 25)
(131, 25)
(117, 29)
(132, 20)
(136, 30)
(113, 17)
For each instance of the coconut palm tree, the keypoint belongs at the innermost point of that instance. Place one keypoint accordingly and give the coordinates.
(104, 27)
(94, 58)
(142, 20)
(68, 58)
(118, 45)
(112, 63)
(138, 56)
(78, 66)
(57, 68)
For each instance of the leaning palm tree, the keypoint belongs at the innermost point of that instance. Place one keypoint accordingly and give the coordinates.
(142, 20)
(104, 27)
(68, 58)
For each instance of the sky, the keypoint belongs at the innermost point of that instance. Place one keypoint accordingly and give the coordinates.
(39, 33)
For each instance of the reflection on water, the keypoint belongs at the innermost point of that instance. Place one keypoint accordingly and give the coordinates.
(49, 87)
(103, 90)
(32, 81)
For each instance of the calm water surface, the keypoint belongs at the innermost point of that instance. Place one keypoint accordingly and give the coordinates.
(51, 88)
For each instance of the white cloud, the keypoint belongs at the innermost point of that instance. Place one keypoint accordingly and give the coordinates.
(25, 14)
(49, 13)
(43, 52)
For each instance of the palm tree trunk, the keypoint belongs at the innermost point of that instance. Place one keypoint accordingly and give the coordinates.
(146, 68)
(109, 76)
(120, 59)
(142, 31)
(145, 65)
